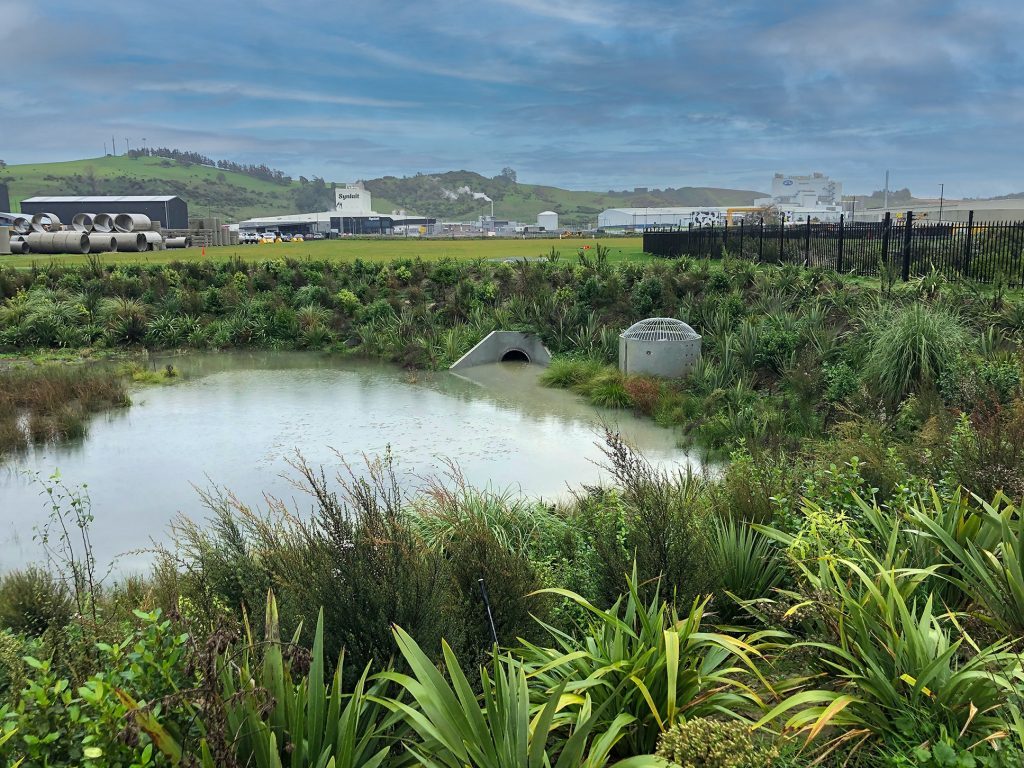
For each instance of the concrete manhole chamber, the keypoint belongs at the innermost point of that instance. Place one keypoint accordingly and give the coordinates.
(659, 346)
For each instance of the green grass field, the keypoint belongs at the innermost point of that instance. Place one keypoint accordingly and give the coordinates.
(621, 249)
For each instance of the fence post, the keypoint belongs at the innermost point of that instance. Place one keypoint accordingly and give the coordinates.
(807, 242)
(839, 254)
(886, 228)
(782, 231)
(741, 238)
(967, 247)
(908, 235)
(760, 241)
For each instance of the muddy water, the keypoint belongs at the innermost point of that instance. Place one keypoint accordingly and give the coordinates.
(235, 419)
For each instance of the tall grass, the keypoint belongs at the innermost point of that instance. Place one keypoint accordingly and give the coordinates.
(910, 348)
(43, 404)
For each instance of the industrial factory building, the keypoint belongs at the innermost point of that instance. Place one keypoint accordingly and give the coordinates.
(169, 210)
(352, 215)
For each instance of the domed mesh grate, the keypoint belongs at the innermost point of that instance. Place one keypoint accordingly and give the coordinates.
(660, 329)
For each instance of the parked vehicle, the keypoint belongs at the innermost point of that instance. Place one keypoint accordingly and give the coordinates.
(268, 237)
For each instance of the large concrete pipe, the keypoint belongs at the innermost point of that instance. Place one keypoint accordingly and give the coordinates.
(45, 222)
(5, 241)
(132, 222)
(103, 222)
(100, 243)
(82, 222)
(178, 242)
(130, 242)
(20, 225)
(18, 245)
(58, 242)
(154, 240)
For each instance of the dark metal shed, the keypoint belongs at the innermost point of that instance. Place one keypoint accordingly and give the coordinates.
(171, 211)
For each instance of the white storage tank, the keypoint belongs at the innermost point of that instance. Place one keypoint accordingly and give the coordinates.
(659, 346)
(548, 220)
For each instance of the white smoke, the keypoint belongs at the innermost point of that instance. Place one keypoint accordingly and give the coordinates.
(461, 191)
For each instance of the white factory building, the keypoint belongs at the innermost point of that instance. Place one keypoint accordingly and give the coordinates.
(811, 191)
(352, 214)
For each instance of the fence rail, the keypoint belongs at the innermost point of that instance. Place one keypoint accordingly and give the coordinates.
(982, 252)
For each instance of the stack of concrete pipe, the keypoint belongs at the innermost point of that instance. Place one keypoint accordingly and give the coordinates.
(87, 233)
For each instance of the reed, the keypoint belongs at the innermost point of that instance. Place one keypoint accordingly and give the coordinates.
(48, 403)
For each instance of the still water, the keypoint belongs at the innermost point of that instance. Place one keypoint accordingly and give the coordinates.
(234, 420)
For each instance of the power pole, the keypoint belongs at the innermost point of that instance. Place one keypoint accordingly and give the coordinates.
(942, 195)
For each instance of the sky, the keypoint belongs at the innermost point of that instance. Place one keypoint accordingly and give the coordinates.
(580, 94)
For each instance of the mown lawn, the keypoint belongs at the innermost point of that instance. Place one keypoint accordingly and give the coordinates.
(621, 249)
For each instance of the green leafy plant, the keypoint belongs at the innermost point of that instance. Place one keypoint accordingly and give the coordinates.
(645, 660)
(455, 728)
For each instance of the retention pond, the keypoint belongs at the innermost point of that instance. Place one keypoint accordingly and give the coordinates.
(234, 420)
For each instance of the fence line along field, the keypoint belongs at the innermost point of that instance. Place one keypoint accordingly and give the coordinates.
(619, 249)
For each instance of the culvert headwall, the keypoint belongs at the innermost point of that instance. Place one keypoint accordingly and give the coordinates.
(500, 346)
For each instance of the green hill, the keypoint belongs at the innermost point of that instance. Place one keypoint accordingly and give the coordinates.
(233, 196)
(450, 196)
(209, 191)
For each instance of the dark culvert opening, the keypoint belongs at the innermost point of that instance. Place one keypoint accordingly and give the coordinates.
(515, 356)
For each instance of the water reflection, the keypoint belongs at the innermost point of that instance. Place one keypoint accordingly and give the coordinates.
(237, 418)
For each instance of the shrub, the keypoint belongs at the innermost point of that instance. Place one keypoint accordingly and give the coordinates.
(747, 562)
(33, 600)
(570, 372)
(645, 660)
(656, 521)
(910, 350)
(644, 393)
(347, 302)
(132, 712)
(707, 743)
(356, 554)
(608, 390)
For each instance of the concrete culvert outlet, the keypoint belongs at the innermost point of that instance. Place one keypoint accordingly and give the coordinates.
(515, 356)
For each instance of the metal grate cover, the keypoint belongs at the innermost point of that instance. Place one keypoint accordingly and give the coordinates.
(660, 329)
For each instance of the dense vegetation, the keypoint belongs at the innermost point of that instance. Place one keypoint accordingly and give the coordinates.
(834, 596)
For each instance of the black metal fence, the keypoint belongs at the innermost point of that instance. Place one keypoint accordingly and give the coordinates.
(984, 252)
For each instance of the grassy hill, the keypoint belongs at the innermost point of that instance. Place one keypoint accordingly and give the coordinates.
(211, 191)
(450, 196)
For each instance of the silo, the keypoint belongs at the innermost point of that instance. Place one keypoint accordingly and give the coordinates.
(548, 220)
(659, 346)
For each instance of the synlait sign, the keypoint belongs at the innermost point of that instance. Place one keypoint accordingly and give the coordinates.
(352, 200)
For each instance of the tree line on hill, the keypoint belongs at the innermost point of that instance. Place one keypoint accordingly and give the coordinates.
(261, 171)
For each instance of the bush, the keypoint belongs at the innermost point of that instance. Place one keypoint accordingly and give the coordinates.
(706, 743)
(33, 600)
(909, 351)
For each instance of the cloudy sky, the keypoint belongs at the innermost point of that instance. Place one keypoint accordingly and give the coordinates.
(587, 94)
